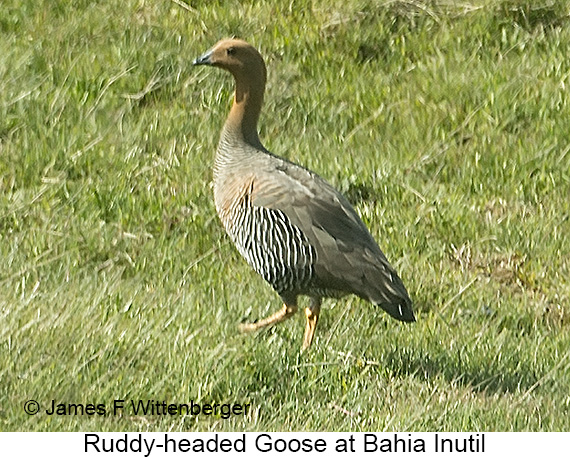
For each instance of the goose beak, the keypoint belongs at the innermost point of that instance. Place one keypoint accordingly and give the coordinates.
(204, 59)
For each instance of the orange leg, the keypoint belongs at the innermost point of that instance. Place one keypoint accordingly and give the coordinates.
(285, 313)
(312, 313)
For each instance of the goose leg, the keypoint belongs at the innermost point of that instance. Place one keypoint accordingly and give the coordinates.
(283, 314)
(312, 313)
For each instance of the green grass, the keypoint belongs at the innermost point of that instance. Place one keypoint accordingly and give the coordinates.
(445, 123)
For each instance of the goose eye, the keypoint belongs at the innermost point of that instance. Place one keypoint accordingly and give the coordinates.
(230, 51)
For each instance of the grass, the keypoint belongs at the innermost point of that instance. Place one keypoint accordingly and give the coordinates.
(445, 123)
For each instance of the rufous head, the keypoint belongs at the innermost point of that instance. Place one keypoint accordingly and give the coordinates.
(236, 56)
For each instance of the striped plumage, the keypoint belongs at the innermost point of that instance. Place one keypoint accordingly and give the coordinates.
(271, 244)
(299, 233)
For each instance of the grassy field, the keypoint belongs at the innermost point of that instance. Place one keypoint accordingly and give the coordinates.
(445, 123)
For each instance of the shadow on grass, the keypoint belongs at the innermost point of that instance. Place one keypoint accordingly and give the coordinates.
(482, 375)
